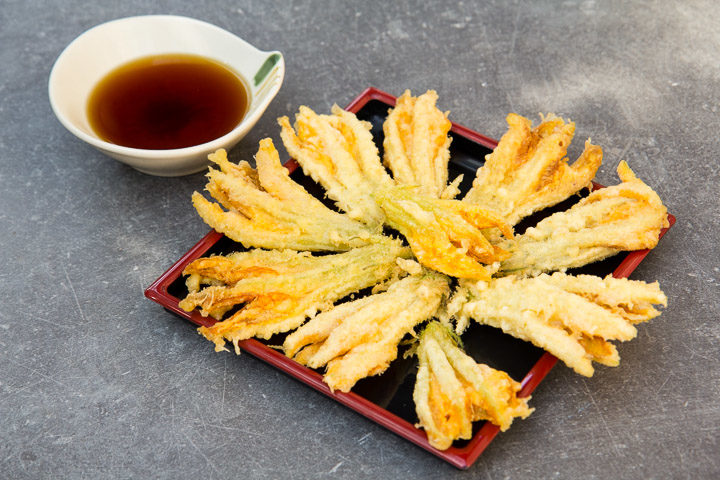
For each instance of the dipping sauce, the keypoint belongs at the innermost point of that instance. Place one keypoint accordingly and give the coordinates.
(167, 101)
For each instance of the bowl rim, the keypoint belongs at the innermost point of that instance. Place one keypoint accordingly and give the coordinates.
(246, 123)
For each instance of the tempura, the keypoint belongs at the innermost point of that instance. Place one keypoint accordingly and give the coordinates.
(628, 216)
(528, 170)
(417, 145)
(265, 208)
(360, 338)
(452, 390)
(351, 311)
(278, 290)
(572, 317)
(338, 152)
(445, 235)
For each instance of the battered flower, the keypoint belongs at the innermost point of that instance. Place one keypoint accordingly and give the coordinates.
(452, 390)
(572, 317)
(259, 293)
(628, 216)
(267, 209)
(445, 235)
(338, 152)
(360, 338)
(417, 145)
(528, 170)
(278, 290)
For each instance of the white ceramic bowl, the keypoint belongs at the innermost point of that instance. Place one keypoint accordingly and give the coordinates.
(102, 48)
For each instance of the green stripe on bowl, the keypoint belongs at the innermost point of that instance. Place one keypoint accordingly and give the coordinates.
(266, 68)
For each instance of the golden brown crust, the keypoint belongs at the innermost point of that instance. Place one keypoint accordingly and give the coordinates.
(445, 235)
(452, 390)
(627, 216)
(337, 151)
(264, 208)
(417, 145)
(262, 292)
(572, 317)
(360, 338)
(528, 170)
(278, 290)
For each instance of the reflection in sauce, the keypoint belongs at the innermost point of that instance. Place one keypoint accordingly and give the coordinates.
(167, 101)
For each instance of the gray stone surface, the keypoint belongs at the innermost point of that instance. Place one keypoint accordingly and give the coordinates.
(98, 382)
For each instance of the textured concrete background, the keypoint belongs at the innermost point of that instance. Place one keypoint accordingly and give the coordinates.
(98, 382)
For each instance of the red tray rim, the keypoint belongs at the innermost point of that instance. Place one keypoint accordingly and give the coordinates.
(460, 457)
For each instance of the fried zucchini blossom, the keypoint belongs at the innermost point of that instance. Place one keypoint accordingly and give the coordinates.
(572, 317)
(628, 216)
(347, 297)
(360, 338)
(277, 290)
(265, 208)
(528, 170)
(452, 390)
(417, 145)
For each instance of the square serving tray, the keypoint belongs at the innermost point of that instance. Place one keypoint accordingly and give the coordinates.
(387, 399)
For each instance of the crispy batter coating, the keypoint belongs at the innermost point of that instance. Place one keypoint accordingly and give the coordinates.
(259, 293)
(267, 209)
(279, 289)
(572, 317)
(360, 144)
(528, 170)
(338, 152)
(628, 216)
(417, 145)
(360, 338)
(452, 390)
(445, 235)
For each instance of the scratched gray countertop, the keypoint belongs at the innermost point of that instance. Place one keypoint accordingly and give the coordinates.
(98, 382)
